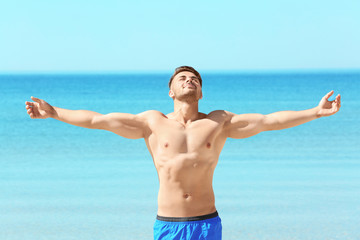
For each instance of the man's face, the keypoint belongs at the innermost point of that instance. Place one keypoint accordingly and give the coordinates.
(185, 87)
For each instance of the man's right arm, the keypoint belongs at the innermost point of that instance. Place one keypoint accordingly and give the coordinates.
(124, 124)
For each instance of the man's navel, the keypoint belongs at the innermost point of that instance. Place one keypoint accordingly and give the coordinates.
(208, 145)
(186, 195)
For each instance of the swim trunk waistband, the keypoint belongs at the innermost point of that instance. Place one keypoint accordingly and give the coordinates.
(187, 219)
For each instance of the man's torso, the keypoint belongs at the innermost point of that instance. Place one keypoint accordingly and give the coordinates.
(185, 157)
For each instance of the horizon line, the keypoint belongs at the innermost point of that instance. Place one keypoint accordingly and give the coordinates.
(203, 71)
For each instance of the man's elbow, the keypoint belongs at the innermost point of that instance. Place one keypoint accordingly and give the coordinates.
(98, 122)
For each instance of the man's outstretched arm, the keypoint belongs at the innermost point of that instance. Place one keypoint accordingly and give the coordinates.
(247, 125)
(123, 124)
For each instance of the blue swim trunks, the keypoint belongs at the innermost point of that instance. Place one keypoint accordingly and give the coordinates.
(206, 227)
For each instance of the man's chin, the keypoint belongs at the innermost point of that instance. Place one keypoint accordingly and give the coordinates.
(188, 97)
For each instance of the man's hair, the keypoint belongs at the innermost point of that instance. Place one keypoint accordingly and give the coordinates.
(185, 69)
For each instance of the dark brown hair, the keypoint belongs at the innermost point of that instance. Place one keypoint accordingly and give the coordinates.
(185, 69)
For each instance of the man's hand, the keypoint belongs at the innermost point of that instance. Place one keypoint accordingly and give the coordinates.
(39, 109)
(328, 108)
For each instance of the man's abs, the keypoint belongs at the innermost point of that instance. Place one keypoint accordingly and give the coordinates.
(178, 202)
(186, 190)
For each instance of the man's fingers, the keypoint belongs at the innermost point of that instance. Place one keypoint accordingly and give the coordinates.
(329, 94)
(36, 99)
(337, 99)
(33, 107)
(337, 103)
(30, 105)
(30, 112)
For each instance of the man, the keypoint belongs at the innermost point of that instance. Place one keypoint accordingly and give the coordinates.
(185, 146)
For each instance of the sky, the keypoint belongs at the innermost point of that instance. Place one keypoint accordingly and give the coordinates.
(135, 36)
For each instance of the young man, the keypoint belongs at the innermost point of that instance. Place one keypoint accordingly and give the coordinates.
(185, 146)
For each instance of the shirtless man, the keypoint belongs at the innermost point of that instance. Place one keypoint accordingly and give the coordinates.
(185, 146)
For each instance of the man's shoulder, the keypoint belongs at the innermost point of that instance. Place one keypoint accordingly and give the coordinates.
(219, 115)
(151, 114)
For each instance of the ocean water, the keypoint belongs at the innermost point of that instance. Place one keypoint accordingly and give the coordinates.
(60, 182)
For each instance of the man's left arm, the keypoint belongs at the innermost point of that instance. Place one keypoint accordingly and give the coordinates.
(247, 125)
(288, 119)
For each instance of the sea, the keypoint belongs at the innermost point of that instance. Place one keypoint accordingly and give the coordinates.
(62, 182)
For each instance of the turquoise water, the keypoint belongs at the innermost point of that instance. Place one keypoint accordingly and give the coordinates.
(59, 181)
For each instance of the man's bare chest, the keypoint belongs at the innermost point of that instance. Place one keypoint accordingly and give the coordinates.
(169, 135)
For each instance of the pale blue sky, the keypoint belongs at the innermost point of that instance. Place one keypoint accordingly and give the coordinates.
(115, 36)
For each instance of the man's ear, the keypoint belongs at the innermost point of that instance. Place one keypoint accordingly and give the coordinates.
(171, 94)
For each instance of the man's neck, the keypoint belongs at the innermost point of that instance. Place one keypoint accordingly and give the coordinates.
(186, 112)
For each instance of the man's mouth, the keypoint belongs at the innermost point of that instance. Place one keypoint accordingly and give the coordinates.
(190, 86)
